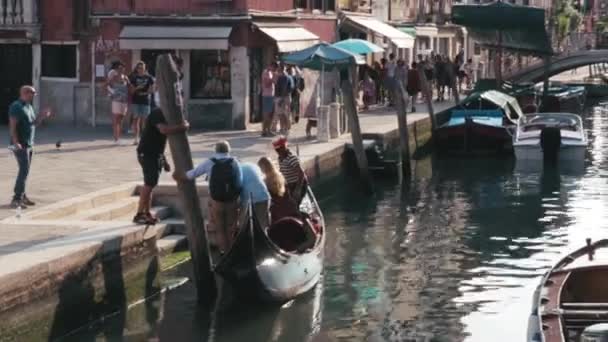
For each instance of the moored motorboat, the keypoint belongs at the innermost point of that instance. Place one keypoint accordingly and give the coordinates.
(280, 262)
(557, 136)
(571, 302)
(483, 121)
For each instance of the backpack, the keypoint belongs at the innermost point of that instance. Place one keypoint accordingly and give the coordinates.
(283, 87)
(223, 183)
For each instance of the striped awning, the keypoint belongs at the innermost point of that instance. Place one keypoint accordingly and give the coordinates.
(289, 38)
(174, 37)
(400, 39)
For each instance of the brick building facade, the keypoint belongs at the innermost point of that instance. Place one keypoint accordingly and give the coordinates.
(65, 47)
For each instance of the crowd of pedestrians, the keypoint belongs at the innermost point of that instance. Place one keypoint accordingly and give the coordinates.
(378, 81)
(282, 86)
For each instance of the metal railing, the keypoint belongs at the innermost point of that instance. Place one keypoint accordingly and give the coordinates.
(17, 12)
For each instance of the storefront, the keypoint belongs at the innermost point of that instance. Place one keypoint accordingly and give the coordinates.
(222, 63)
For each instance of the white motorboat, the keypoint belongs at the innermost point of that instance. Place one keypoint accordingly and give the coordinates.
(557, 136)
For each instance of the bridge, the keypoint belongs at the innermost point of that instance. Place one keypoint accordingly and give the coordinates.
(536, 73)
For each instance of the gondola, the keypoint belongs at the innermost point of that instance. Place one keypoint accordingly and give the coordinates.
(571, 303)
(280, 262)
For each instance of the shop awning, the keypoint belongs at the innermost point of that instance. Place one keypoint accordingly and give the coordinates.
(289, 38)
(400, 39)
(522, 27)
(409, 30)
(175, 37)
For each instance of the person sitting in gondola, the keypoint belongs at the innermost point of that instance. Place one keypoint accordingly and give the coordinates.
(290, 229)
(225, 183)
(281, 203)
(254, 190)
(291, 169)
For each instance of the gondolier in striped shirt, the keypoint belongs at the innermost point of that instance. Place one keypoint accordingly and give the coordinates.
(291, 169)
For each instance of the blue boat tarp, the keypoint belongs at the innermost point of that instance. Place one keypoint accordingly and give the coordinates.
(482, 120)
(489, 108)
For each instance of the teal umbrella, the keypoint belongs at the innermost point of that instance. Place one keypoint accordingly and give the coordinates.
(323, 57)
(359, 46)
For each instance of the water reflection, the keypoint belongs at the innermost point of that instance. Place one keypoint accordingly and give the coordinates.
(454, 255)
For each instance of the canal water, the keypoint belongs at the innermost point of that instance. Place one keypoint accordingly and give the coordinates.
(455, 255)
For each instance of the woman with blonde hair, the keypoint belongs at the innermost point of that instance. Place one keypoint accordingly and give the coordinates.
(281, 204)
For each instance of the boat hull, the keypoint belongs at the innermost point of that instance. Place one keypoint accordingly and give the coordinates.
(260, 271)
(573, 153)
(472, 136)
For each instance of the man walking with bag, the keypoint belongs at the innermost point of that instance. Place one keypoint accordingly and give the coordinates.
(22, 122)
(225, 183)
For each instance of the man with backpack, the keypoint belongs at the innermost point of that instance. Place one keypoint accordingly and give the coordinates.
(225, 182)
(282, 97)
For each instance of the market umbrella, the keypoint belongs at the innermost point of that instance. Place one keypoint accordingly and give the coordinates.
(323, 57)
(359, 46)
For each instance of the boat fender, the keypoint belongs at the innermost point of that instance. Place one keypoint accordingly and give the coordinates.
(550, 142)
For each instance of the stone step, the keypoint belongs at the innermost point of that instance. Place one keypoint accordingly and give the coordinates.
(119, 210)
(162, 212)
(171, 243)
(175, 226)
(78, 204)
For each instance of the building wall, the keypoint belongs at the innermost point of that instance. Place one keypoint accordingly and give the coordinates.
(164, 7)
(325, 28)
(270, 5)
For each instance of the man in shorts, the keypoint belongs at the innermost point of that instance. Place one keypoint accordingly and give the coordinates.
(150, 154)
(282, 96)
(268, 82)
(142, 85)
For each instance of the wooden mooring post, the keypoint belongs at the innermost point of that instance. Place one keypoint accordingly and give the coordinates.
(428, 95)
(404, 139)
(171, 102)
(350, 106)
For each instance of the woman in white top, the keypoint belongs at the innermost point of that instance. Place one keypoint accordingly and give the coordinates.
(118, 89)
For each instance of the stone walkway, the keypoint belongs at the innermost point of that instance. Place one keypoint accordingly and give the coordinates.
(88, 161)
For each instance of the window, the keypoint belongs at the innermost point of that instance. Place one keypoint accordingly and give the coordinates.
(300, 3)
(477, 49)
(209, 74)
(317, 5)
(59, 60)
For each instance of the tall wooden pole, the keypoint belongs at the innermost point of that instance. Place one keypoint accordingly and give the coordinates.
(498, 64)
(404, 152)
(350, 107)
(453, 74)
(428, 95)
(171, 103)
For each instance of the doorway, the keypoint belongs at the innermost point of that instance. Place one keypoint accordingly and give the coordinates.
(18, 59)
(149, 57)
(255, 96)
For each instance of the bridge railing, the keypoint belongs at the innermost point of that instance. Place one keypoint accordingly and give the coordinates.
(574, 43)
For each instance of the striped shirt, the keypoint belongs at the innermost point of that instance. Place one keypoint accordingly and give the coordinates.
(291, 169)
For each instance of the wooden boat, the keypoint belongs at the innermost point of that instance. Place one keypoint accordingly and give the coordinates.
(280, 262)
(571, 303)
(483, 121)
